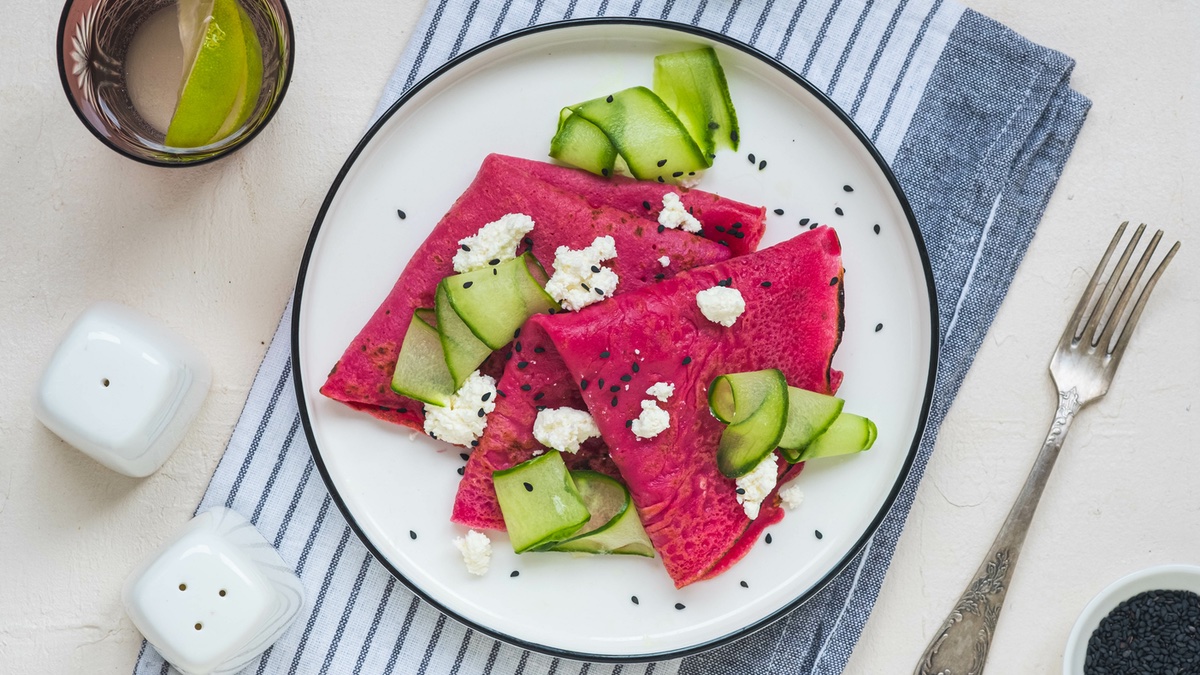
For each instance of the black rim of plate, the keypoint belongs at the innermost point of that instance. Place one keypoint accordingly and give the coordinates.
(925, 403)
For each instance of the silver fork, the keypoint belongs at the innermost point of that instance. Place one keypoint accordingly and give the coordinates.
(1088, 353)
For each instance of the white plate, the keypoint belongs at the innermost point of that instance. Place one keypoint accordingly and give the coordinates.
(505, 98)
(1161, 578)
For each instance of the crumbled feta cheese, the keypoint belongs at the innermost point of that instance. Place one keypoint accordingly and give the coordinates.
(721, 304)
(652, 422)
(476, 551)
(664, 261)
(497, 240)
(579, 279)
(564, 429)
(791, 495)
(661, 390)
(461, 422)
(690, 181)
(756, 485)
(674, 215)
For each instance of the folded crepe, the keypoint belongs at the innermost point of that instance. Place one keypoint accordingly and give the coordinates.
(792, 321)
(570, 208)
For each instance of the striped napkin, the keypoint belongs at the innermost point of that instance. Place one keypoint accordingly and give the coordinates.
(976, 122)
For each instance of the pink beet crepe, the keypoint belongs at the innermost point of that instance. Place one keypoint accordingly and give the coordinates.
(570, 208)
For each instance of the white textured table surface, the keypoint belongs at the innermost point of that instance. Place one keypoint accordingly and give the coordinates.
(213, 252)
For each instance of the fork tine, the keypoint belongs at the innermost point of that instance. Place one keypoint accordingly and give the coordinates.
(1114, 318)
(1127, 331)
(1089, 331)
(1073, 326)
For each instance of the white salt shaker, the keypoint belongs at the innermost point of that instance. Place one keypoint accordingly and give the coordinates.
(214, 597)
(122, 388)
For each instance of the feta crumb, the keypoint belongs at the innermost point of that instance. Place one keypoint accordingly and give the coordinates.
(791, 495)
(579, 280)
(497, 240)
(675, 215)
(721, 304)
(661, 390)
(757, 484)
(689, 181)
(564, 429)
(652, 422)
(664, 261)
(476, 550)
(460, 422)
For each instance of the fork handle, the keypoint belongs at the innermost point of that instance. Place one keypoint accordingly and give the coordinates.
(961, 645)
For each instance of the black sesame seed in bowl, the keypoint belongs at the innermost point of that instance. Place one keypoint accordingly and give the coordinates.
(1146, 622)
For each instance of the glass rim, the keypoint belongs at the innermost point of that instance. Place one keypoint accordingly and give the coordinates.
(289, 57)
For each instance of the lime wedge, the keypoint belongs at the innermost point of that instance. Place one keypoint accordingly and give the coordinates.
(247, 98)
(217, 75)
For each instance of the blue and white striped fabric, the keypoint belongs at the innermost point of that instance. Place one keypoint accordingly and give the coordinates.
(976, 122)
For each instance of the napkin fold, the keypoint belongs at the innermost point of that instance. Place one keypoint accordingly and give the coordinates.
(976, 122)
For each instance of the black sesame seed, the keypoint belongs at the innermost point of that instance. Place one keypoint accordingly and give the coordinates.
(813, 226)
(600, 383)
(878, 327)
(765, 284)
(714, 126)
(661, 228)
(514, 573)
(626, 378)
(464, 456)
(723, 243)
(599, 291)
(528, 241)
(719, 228)
(687, 360)
(465, 247)
(523, 365)
(516, 333)
(662, 162)
(635, 367)
(733, 136)
(691, 173)
(585, 286)
(660, 179)
(526, 387)
(583, 384)
(762, 165)
(402, 214)
(485, 396)
(767, 538)
(1152, 632)
(818, 534)
(740, 491)
(412, 535)
(634, 599)
(517, 346)
(461, 471)
(751, 158)
(605, 354)
(551, 311)
(677, 174)
(876, 228)
(680, 605)
(737, 225)
(595, 269)
(614, 401)
(508, 355)
(744, 584)
(604, 172)
(494, 261)
(646, 205)
(628, 424)
(847, 188)
(402, 410)
(660, 277)
(475, 444)
(539, 350)
(609, 99)
(803, 222)
(538, 396)
(501, 393)
(481, 413)
(779, 212)
(615, 388)
(739, 234)
(833, 281)
(839, 211)
(468, 284)
(528, 487)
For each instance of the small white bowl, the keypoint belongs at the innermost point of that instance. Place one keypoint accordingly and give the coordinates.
(1162, 578)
